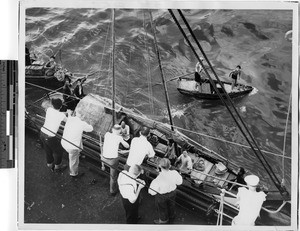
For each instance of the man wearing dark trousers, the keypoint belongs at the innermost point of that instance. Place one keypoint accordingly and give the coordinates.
(130, 187)
(51, 144)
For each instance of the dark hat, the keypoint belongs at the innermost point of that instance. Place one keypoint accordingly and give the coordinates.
(145, 131)
(57, 103)
(164, 163)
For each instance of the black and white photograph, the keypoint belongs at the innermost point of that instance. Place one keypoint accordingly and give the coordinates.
(166, 116)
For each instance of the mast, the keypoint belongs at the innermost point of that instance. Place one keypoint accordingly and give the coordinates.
(162, 73)
(113, 67)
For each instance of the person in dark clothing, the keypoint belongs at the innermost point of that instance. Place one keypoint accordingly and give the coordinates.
(51, 66)
(130, 186)
(198, 70)
(239, 179)
(27, 57)
(235, 74)
(68, 95)
(78, 90)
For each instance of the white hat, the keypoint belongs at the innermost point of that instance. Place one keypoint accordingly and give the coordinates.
(252, 180)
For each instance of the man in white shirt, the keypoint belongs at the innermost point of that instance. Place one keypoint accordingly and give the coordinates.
(130, 187)
(110, 155)
(140, 148)
(163, 188)
(249, 202)
(51, 144)
(72, 141)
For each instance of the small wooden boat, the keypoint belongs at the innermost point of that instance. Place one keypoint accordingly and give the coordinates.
(205, 90)
(35, 74)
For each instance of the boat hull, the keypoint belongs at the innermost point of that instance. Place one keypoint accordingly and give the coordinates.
(205, 91)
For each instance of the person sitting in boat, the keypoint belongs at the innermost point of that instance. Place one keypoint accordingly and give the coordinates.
(249, 202)
(198, 70)
(171, 152)
(125, 131)
(51, 66)
(186, 163)
(78, 90)
(235, 74)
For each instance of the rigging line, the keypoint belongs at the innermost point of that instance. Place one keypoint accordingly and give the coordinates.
(128, 73)
(84, 151)
(148, 67)
(153, 27)
(285, 132)
(208, 75)
(47, 89)
(179, 128)
(113, 66)
(102, 56)
(260, 157)
(272, 175)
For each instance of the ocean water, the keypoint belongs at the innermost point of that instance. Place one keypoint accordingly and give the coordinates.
(82, 42)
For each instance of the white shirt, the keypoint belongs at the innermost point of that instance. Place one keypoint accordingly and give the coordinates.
(139, 148)
(52, 121)
(111, 145)
(165, 182)
(127, 186)
(250, 205)
(186, 162)
(73, 133)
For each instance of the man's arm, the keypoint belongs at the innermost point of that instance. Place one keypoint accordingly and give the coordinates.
(124, 143)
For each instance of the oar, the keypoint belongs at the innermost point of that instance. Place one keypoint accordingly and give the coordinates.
(177, 77)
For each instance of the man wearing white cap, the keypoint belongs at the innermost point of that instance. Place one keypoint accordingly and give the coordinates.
(110, 155)
(249, 202)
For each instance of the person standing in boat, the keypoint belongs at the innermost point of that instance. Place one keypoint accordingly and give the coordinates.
(72, 141)
(186, 163)
(51, 144)
(110, 155)
(198, 70)
(163, 187)
(68, 95)
(78, 90)
(249, 202)
(140, 148)
(51, 66)
(235, 74)
(130, 187)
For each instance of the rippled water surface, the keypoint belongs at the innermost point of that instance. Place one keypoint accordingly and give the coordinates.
(253, 39)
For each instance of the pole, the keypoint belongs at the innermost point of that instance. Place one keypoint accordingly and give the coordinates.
(162, 74)
(113, 67)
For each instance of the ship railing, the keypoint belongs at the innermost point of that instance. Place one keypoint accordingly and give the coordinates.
(220, 211)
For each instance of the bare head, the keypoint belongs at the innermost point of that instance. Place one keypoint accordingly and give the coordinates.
(123, 124)
(145, 131)
(116, 129)
(136, 170)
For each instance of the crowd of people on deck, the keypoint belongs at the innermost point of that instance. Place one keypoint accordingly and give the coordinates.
(131, 180)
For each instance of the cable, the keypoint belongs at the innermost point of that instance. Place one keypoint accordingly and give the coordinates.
(260, 157)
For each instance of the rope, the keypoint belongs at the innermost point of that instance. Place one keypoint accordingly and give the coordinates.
(102, 161)
(260, 157)
(284, 140)
(151, 103)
